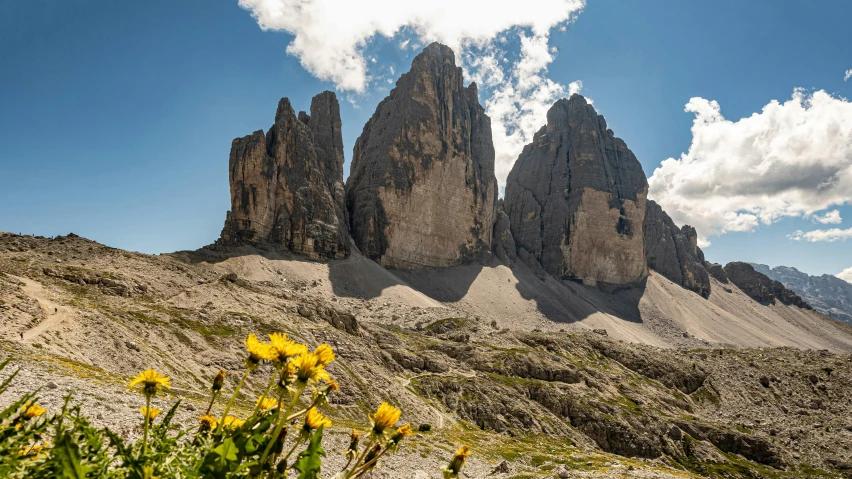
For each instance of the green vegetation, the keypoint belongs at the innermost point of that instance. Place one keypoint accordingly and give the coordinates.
(35, 443)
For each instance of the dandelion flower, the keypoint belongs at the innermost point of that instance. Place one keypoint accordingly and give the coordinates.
(208, 422)
(267, 403)
(285, 348)
(218, 381)
(456, 463)
(34, 410)
(401, 433)
(149, 382)
(324, 353)
(259, 350)
(386, 416)
(314, 419)
(232, 422)
(308, 368)
(150, 413)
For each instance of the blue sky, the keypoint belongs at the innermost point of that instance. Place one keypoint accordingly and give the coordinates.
(116, 118)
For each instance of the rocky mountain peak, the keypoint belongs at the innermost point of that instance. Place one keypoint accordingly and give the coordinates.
(422, 190)
(576, 199)
(287, 183)
(673, 252)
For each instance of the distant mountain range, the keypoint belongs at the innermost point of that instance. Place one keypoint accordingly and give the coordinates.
(827, 294)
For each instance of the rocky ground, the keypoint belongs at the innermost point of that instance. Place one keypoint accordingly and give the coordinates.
(79, 317)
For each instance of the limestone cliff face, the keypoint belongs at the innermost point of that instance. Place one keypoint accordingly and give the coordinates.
(286, 185)
(576, 199)
(422, 190)
(673, 252)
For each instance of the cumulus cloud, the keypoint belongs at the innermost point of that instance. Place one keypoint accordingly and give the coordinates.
(816, 236)
(846, 275)
(791, 159)
(830, 218)
(848, 75)
(330, 38)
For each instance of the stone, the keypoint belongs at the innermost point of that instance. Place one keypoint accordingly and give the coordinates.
(286, 184)
(51, 385)
(576, 199)
(503, 244)
(673, 252)
(422, 191)
(717, 271)
(502, 468)
(132, 346)
(760, 287)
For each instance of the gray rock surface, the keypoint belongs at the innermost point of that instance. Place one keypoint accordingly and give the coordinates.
(422, 190)
(576, 199)
(717, 271)
(827, 294)
(286, 184)
(503, 244)
(673, 252)
(760, 287)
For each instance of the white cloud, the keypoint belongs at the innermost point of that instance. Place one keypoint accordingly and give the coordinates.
(330, 38)
(816, 236)
(791, 159)
(846, 275)
(848, 75)
(518, 96)
(830, 218)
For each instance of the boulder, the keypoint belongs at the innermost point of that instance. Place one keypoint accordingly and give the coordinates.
(673, 252)
(286, 184)
(576, 199)
(422, 190)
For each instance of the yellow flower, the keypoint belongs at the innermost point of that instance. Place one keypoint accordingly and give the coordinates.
(150, 413)
(259, 350)
(324, 353)
(456, 463)
(401, 433)
(208, 422)
(285, 348)
(232, 422)
(34, 410)
(314, 419)
(267, 403)
(308, 368)
(218, 381)
(149, 382)
(386, 416)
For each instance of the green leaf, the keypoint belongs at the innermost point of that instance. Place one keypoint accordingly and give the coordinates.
(68, 453)
(227, 450)
(310, 460)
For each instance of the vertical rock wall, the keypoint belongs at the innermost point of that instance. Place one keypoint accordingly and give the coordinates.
(286, 185)
(422, 190)
(576, 199)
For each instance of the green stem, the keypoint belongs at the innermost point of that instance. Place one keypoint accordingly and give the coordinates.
(263, 396)
(298, 441)
(147, 415)
(281, 421)
(366, 449)
(212, 400)
(364, 467)
(234, 396)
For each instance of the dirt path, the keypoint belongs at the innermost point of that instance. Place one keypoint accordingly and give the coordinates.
(55, 313)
